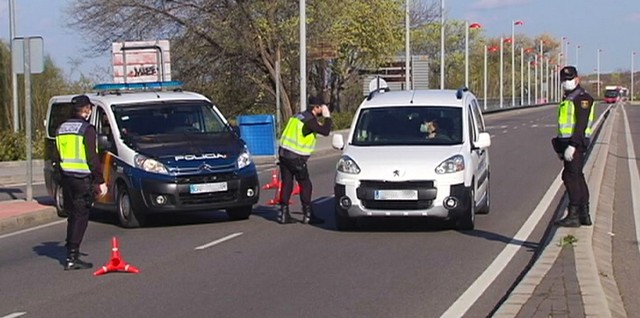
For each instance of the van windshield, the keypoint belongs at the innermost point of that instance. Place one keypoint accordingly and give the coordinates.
(168, 118)
(411, 125)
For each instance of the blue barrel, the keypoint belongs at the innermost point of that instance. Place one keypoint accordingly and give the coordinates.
(259, 132)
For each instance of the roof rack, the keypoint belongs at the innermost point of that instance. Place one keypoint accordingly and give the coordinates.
(460, 92)
(136, 87)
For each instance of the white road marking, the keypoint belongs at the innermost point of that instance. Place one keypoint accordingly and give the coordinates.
(634, 175)
(14, 315)
(31, 229)
(21, 185)
(218, 241)
(534, 126)
(480, 285)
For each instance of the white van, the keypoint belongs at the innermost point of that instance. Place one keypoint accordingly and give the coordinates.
(163, 150)
(420, 153)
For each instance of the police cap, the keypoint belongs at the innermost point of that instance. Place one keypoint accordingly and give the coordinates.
(568, 73)
(315, 101)
(81, 101)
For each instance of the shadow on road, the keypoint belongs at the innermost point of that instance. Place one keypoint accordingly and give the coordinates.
(53, 250)
(531, 246)
(11, 193)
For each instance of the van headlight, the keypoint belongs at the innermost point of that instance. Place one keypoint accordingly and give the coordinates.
(451, 165)
(149, 165)
(244, 159)
(347, 165)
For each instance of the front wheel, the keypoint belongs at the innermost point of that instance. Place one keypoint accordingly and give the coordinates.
(58, 198)
(127, 214)
(240, 213)
(466, 220)
(343, 221)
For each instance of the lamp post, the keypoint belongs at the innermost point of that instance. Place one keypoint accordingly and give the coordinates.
(490, 49)
(633, 55)
(466, 49)
(441, 44)
(14, 75)
(513, 60)
(303, 56)
(522, 76)
(407, 47)
(501, 72)
(598, 69)
(535, 78)
(577, 55)
(541, 70)
(527, 51)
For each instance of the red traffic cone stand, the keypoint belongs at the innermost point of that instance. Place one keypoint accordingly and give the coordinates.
(275, 181)
(116, 264)
(296, 190)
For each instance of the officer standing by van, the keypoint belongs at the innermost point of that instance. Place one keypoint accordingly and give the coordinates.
(575, 119)
(297, 142)
(81, 175)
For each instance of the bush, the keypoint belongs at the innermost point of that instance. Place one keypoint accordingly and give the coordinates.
(342, 120)
(13, 145)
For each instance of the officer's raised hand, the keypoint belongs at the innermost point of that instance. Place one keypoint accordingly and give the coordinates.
(568, 153)
(325, 111)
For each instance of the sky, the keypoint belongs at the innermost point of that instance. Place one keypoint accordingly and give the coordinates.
(609, 25)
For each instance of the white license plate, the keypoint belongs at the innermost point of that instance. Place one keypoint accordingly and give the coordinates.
(207, 187)
(396, 195)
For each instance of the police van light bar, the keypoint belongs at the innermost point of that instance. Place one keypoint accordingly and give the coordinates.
(137, 86)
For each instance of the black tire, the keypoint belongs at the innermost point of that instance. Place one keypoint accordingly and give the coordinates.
(58, 200)
(486, 206)
(128, 215)
(240, 213)
(343, 221)
(466, 221)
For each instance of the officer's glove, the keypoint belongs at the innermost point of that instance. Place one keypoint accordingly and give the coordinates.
(568, 153)
(103, 189)
(325, 112)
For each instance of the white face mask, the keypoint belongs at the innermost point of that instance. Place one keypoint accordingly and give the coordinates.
(423, 128)
(570, 85)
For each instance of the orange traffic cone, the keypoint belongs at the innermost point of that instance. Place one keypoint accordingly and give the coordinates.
(296, 190)
(275, 181)
(277, 198)
(116, 264)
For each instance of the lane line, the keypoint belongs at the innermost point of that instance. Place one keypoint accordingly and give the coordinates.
(218, 241)
(31, 229)
(14, 315)
(634, 175)
(480, 285)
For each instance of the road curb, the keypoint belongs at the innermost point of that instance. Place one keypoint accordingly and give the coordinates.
(18, 222)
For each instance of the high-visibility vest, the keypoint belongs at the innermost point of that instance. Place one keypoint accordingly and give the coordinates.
(293, 140)
(567, 120)
(70, 144)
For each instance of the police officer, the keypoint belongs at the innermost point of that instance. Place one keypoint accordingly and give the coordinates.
(575, 118)
(297, 142)
(81, 173)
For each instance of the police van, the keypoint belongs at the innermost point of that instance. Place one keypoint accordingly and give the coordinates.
(421, 153)
(162, 150)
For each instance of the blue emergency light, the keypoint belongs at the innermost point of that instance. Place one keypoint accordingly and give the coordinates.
(138, 86)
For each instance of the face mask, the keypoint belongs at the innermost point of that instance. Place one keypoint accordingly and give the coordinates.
(569, 85)
(423, 128)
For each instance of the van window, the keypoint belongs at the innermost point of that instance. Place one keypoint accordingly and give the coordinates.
(60, 112)
(411, 125)
(168, 118)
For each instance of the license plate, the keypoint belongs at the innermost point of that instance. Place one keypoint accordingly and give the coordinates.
(396, 195)
(207, 187)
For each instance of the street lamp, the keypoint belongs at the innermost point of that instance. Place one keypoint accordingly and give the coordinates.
(502, 41)
(14, 75)
(633, 55)
(542, 42)
(527, 51)
(407, 55)
(535, 78)
(513, 60)
(441, 44)
(466, 49)
(303, 55)
(598, 69)
(490, 49)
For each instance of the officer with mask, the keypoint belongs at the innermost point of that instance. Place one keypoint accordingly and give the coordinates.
(297, 142)
(575, 118)
(81, 172)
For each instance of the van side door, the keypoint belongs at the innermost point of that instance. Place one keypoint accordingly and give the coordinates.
(482, 168)
(108, 152)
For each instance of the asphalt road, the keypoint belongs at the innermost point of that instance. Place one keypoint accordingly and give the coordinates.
(389, 268)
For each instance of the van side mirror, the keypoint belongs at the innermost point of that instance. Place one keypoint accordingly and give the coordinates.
(337, 141)
(484, 141)
(104, 144)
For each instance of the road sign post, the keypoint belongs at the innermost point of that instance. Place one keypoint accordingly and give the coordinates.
(28, 58)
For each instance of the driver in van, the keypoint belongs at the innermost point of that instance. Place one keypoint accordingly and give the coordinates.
(77, 160)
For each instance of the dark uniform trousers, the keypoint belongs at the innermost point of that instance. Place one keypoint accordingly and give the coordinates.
(78, 198)
(574, 181)
(295, 167)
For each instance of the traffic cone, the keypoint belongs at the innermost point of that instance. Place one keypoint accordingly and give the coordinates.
(296, 190)
(275, 181)
(277, 198)
(116, 264)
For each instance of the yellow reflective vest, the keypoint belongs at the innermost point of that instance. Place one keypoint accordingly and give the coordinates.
(70, 144)
(293, 140)
(567, 117)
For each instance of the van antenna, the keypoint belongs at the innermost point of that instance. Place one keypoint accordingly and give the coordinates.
(413, 94)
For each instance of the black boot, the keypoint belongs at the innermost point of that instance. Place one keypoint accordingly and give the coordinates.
(74, 261)
(572, 218)
(284, 217)
(585, 218)
(308, 217)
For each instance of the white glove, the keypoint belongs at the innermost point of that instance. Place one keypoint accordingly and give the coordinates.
(325, 111)
(103, 189)
(568, 153)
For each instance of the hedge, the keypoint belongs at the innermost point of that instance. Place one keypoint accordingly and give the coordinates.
(13, 145)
